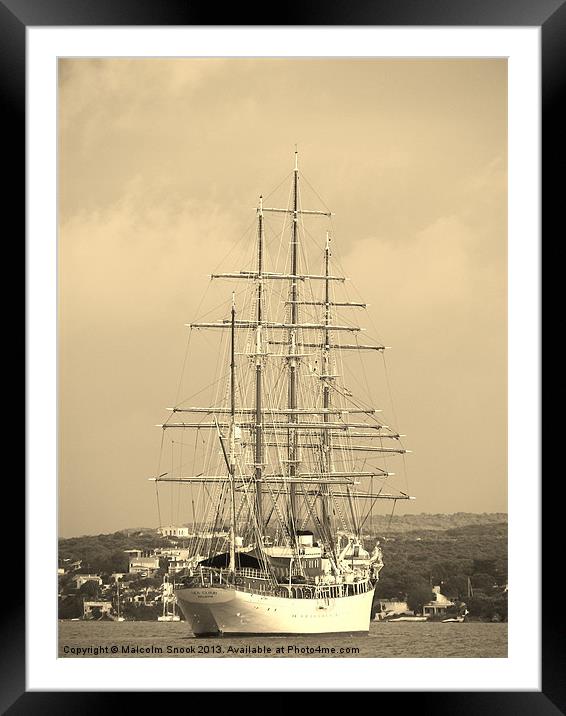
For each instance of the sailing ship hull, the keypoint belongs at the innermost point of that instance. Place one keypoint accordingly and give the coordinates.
(215, 611)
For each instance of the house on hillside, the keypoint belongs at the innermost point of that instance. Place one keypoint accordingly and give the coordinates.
(438, 604)
(145, 566)
(81, 579)
(96, 609)
(172, 553)
(173, 531)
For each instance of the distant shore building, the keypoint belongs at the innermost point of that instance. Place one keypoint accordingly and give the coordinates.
(81, 579)
(438, 605)
(179, 565)
(67, 566)
(90, 609)
(134, 552)
(178, 558)
(172, 553)
(174, 531)
(145, 566)
(389, 607)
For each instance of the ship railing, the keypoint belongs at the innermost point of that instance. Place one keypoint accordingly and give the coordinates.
(208, 576)
(211, 576)
(324, 592)
(251, 572)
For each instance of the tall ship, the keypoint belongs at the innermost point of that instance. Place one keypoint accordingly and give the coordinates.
(282, 470)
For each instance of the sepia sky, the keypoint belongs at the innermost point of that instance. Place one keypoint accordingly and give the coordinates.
(161, 163)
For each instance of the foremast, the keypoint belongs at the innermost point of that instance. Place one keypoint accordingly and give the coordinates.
(230, 454)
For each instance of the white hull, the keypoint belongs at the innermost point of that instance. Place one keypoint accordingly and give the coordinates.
(212, 610)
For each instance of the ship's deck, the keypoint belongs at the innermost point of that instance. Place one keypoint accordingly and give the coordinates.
(260, 582)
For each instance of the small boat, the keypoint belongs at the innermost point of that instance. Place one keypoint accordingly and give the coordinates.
(408, 619)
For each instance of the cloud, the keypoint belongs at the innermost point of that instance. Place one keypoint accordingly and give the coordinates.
(118, 261)
(161, 163)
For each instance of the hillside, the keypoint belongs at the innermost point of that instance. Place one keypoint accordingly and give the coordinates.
(430, 547)
(456, 551)
(425, 521)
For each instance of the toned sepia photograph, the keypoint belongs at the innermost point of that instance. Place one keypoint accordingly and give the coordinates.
(282, 357)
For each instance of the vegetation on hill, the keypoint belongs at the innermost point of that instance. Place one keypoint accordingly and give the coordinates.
(455, 559)
(426, 521)
(419, 551)
(104, 553)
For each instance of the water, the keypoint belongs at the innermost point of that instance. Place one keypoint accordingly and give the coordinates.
(400, 639)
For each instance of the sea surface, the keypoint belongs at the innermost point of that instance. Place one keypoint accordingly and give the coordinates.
(385, 640)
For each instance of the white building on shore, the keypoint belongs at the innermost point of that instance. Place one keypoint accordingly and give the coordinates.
(438, 604)
(174, 531)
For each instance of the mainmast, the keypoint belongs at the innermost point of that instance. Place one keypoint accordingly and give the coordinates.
(258, 457)
(293, 362)
(326, 377)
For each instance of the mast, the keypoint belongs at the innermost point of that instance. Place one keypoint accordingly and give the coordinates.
(164, 597)
(232, 456)
(264, 426)
(326, 437)
(258, 457)
(293, 417)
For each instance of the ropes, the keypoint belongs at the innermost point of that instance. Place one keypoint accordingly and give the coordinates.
(322, 379)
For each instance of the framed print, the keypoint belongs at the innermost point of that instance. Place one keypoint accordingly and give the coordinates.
(227, 219)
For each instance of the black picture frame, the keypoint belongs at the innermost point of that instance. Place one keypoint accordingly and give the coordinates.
(549, 15)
